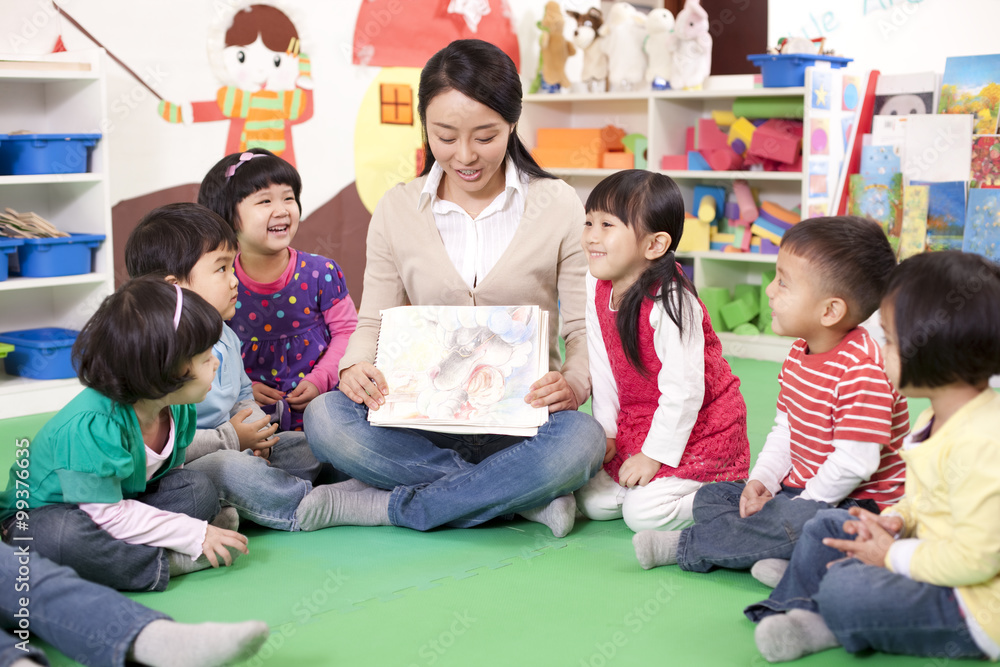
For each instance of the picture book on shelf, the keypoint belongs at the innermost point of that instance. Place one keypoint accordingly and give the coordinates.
(982, 223)
(985, 170)
(905, 94)
(462, 369)
(971, 85)
(945, 214)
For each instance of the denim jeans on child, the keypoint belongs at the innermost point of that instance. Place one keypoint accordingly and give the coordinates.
(68, 536)
(90, 623)
(266, 492)
(456, 480)
(720, 537)
(867, 607)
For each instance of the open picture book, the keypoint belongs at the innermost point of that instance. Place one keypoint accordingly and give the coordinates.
(462, 369)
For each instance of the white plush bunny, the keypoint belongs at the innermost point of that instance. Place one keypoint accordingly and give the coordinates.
(623, 34)
(659, 45)
(693, 47)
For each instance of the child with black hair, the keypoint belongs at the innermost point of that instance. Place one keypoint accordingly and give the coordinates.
(922, 578)
(106, 494)
(192, 246)
(840, 422)
(682, 422)
(293, 315)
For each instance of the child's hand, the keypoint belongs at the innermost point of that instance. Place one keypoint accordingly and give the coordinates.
(253, 435)
(299, 397)
(363, 383)
(872, 549)
(552, 391)
(611, 448)
(265, 395)
(754, 495)
(216, 541)
(638, 470)
(892, 523)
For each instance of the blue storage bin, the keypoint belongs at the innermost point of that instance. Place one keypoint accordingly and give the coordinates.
(788, 70)
(64, 256)
(7, 247)
(22, 154)
(42, 354)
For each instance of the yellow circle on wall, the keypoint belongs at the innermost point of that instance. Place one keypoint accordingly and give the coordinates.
(386, 153)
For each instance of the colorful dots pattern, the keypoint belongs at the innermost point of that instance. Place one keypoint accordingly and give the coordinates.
(284, 333)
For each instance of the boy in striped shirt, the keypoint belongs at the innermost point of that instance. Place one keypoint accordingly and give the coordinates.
(840, 422)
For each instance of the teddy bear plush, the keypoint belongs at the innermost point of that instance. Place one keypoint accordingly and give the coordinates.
(623, 33)
(594, 74)
(659, 48)
(692, 47)
(555, 49)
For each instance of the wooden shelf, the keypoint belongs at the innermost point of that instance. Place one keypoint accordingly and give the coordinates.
(47, 179)
(753, 257)
(763, 347)
(25, 396)
(16, 283)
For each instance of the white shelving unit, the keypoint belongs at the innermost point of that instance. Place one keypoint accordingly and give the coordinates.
(663, 117)
(55, 101)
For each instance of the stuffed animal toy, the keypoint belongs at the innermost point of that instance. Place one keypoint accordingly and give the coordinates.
(623, 33)
(594, 74)
(555, 49)
(693, 47)
(659, 48)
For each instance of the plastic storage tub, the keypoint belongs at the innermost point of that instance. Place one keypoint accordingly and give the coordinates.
(7, 247)
(42, 354)
(22, 154)
(788, 70)
(64, 256)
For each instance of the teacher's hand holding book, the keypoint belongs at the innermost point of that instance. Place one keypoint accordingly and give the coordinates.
(363, 383)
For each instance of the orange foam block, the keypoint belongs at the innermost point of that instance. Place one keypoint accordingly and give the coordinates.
(581, 157)
(779, 213)
(618, 160)
(579, 148)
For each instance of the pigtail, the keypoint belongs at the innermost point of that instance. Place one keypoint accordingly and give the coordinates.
(666, 276)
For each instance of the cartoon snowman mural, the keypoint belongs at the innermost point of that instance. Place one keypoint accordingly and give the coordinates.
(255, 51)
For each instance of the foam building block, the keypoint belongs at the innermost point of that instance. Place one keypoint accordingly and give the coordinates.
(618, 160)
(738, 312)
(767, 247)
(764, 318)
(748, 293)
(742, 131)
(724, 119)
(719, 241)
(778, 140)
(696, 236)
(708, 136)
(723, 159)
(714, 299)
(689, 139)
(768, 230)
(696, 162)
(637, 145)
(717, 205)
(674, 162)
(576, 148)
(778, 213)
(746, 329)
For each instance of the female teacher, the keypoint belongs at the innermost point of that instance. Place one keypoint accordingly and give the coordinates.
(482, 225)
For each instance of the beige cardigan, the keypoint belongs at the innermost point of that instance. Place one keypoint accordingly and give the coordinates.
(544, 265)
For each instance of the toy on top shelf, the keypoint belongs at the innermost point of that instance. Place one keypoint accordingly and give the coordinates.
(555, 51)
(637, 145)
(786, 65)
(659, 48)
(623, 33)
(586, 37)
(692, 47)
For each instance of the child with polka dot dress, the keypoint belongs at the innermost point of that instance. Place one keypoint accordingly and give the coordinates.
(293, 312)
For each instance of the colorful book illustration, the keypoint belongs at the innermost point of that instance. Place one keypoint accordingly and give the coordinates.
(971, 85)
(905, 94)
(882, 202)
(462, 369)
(985, 172)
(913, 238)
(945, 215)
(982, 223)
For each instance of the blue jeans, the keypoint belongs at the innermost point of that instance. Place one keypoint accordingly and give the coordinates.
(90, 623)
(266, 492)
(720, 537)
(455, 480)
(867, 607)
(68, 536)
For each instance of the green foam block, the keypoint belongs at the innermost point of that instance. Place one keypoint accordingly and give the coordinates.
(764, 320)
(714, 299)
(746, 329)
(748, 293)
(738, 312)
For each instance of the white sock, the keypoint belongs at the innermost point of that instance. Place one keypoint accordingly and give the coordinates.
(352, 485)
(331, 505)
(769, 571)
(165, 643)
(180, 563)
(227, 519)
(784, 637)
(559, 515)
(654, 548)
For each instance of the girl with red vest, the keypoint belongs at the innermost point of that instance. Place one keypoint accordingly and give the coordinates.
(670, 405)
